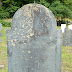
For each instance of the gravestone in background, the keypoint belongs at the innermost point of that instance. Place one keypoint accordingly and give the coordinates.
(32, 42)
(70, 26)
(0, 26)
(63, 26)
(0, 32)
(67, 37)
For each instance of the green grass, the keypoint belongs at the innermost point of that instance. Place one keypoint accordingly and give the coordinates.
(66, 55)
(58, 27)
(67, 19)
(3, 51)
(67, 59)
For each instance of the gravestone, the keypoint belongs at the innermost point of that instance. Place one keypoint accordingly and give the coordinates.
(32, 41)
(67, 37)
(63, 26)
(0, 26)
(70, 26)
(0, 32)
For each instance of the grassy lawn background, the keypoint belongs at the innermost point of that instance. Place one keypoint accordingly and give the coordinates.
(66, 55)
(3, 51)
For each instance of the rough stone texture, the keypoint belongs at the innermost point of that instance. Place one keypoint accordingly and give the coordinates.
(58, 51)
(67, 37)
(32, 40)
(0, 32)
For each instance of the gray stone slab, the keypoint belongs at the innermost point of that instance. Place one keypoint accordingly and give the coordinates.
(67, 37)
(0, 26)
(32, 40)
(58, 50)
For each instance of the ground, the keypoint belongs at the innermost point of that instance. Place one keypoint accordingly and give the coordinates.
(66, 55)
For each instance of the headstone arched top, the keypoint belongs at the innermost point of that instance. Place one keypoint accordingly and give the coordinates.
(32, 20)
(34, 17)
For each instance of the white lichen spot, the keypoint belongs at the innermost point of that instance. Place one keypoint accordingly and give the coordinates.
(23, 25)
(35, 36)
(15, 28)
(26, 27)
(15, 40)
(11, 40)
(13, 44)
(22, 34)
(29, 51)
(51, 37)
(29, 15)
(28, 36)
(25, 43)
(31, 34)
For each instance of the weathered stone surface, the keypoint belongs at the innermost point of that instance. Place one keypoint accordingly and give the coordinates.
(58, 51)
(67, 37)
(32, 40)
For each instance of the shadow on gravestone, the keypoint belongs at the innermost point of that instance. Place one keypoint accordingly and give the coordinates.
(32, 41)
(0, 32)
(58, 50)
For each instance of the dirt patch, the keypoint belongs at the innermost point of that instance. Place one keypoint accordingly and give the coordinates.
(8, 19)
(0, 68)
